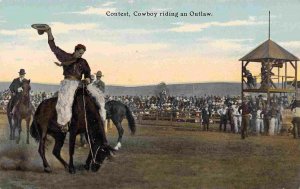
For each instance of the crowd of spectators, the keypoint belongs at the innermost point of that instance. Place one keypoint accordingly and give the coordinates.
(206, 107)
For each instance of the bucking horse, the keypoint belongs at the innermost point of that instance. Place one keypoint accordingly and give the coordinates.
(85, 119)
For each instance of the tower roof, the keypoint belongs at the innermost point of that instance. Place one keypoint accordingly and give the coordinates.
(269, 50)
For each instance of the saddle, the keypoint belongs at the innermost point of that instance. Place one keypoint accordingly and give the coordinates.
(83, 91)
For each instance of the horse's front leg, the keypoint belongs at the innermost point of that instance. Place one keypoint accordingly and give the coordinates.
(88, 161)
(13, 128)
(41, 150)
(18, 126)
(27, 129)
(19, 130)
(71, 152)
(10, 125)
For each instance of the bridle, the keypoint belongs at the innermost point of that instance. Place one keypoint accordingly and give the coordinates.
(87, 131)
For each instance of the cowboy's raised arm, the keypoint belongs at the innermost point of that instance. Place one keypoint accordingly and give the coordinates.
(60, 54)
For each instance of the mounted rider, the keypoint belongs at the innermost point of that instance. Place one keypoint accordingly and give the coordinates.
(99, 83)
(16, 89)
(74, 66)
(100, 86)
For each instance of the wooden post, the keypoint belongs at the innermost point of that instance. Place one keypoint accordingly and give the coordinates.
(278, 77)
(285, 65)
(296, 80)
(296, 93)
(156, 119)
(268, 82)
(242, 83)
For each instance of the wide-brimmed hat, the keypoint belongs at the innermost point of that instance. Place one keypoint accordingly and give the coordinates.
(22, 72)
(41, 28)
(99, 74)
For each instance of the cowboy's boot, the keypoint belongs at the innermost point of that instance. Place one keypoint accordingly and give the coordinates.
(63, 128)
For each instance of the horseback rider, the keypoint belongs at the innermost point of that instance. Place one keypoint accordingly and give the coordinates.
(74, 67)
(16, 89)
(99, 83)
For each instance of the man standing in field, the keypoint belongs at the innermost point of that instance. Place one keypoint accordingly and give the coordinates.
(205, 118)
(259, 121)
(237, 119)
(296, 116)
(246, 110)
(223, 117)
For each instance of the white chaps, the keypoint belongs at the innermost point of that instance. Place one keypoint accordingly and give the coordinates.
(65, 100)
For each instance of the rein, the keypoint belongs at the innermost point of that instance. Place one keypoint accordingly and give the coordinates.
(87, 131)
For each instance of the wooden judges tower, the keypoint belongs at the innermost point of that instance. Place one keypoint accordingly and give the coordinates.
(275, 62)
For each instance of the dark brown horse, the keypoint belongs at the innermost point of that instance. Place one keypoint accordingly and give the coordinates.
(21, 110)
(85, 117)
(117, 111)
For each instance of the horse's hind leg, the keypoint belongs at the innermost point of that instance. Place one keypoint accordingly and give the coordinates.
(120, 131)
(71, 152)
(10, 126)
(47, 168)
(59, 142)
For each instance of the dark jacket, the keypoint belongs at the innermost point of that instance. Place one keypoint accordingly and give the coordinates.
(16, 83)
(246, 108)
(77, 69)
(205, 114)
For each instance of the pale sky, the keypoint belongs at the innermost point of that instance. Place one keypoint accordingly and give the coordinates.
(144, 50)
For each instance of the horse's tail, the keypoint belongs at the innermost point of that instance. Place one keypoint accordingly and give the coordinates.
(130, 119)
(34, 132)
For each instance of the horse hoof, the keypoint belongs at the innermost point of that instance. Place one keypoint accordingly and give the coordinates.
(95, 167)
(111, 157)
(72, 170)
(118, 146)
(86, 167)
(47, 170)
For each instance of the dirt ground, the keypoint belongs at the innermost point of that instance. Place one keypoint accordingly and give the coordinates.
(161, 157)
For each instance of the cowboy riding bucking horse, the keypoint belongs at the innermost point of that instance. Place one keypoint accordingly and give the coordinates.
(74, 67)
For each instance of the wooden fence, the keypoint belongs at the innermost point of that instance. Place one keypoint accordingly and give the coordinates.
(177, 118)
